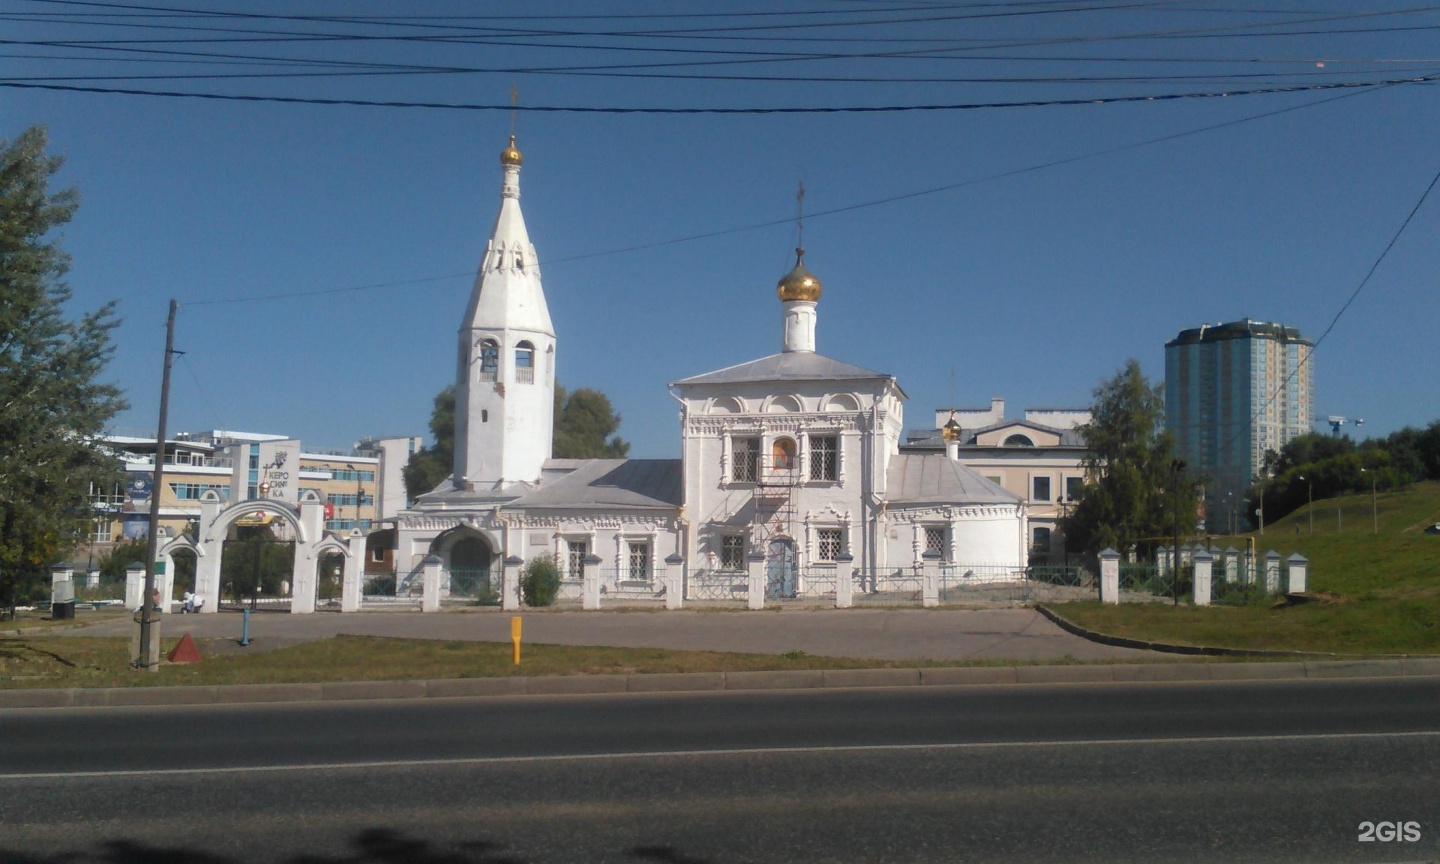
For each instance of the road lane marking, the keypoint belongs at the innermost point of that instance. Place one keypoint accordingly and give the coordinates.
(738, 751)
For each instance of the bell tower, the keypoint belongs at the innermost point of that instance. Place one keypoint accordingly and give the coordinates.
(505, 371)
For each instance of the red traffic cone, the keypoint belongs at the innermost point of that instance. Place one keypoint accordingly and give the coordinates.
(185, 651)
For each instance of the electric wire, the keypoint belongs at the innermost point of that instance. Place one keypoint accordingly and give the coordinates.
(817, 214)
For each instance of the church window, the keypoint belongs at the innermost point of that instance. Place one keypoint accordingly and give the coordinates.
(823, 450)
(576, 551)
(1041, 488)
(782, 454)
(827, 544)
(1019, 441)
(1074, 488)
(489, 360)
(525, 363)
(519, 260)
(732, 552)
(639, 569)
(746, 458)
(499, 259)
(935, 540)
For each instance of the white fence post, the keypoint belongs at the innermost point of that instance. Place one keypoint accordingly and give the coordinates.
(430, 576)
(844, 580)
(674, 581)
(510, 583)
(1272, 572)
(1298, 565)
(1203, 563)
(1109, 576)
(1232, 564)
(354, 573)
(930, 580)
(135, 586)
(590, 583)
(755, 592)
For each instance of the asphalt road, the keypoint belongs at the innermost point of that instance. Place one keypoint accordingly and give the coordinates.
(1264, 772)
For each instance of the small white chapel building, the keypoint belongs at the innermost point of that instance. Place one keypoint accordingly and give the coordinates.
(792, 459)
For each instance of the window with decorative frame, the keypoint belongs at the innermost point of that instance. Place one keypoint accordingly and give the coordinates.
(576, 551)
(824, 457)
(1040, 487)
(827, 544)
(745, 459)
(638, 561)
(936, 540)
(732, 552)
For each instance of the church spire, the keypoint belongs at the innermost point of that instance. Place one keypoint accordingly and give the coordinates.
(505, 378)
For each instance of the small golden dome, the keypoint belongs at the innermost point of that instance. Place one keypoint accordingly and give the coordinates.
(510, 156)
(951, 430)
(799, 283)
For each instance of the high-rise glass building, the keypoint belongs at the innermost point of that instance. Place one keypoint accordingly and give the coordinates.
(1232, 392)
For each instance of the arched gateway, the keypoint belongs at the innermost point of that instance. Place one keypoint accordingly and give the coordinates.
(311, 541)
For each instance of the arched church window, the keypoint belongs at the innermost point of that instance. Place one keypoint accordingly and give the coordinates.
(489, 360)
(525, 363)
(782, 454)
(1019, 441)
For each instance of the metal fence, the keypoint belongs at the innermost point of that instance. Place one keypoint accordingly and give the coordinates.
(731, 586)
(627, 584)
(888, 586)
(478, 587)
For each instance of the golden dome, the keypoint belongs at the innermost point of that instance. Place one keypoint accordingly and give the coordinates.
(951, 430)
(510, 156)
(799, 283)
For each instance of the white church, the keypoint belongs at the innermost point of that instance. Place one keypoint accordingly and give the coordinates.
(790, 468)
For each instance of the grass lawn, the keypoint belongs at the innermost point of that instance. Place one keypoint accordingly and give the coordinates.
(1377, 593)
(40, 661)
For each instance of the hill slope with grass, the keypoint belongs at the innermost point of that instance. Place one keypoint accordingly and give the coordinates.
(1374, 574)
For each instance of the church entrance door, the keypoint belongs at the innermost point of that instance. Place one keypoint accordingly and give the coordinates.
(780, 569)
(470, 576)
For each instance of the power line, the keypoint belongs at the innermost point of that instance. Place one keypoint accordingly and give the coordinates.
(839, 109)
(819, 214)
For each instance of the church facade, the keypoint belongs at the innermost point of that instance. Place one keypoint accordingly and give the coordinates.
(789, 462)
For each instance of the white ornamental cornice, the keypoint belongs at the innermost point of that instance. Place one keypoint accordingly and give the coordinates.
(771, 423)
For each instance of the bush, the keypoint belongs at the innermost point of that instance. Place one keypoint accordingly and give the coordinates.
(540, 581)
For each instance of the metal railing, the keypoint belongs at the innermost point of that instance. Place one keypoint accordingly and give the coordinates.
(719, 584)
(479, 586)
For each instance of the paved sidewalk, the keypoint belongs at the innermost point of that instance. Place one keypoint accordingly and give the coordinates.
(892, 634)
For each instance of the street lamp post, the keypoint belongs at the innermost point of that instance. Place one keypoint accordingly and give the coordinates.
(1064, 528)
(1310, 501)
(1374, 503)
(359, 493)
(1177, 466)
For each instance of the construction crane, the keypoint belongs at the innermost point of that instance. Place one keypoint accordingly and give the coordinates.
(1336, 421)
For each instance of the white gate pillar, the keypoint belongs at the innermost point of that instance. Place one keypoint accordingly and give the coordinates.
(134, 586)
(303, 579)
(350, 584)
(1232, 564)
(208, 549)
(930, 580)
(1109, 576)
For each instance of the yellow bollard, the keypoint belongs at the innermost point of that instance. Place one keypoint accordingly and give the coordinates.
(515, 637)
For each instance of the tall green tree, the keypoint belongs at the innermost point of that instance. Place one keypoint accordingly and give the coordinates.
(1135, 493)
(585, 427)
(53, 407)
(429, 466)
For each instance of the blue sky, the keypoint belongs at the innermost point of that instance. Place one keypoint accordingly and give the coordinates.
(1009, 278)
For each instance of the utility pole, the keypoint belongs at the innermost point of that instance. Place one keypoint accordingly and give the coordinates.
(149, 610)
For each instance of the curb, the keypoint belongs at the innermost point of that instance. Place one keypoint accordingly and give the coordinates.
(804, 679)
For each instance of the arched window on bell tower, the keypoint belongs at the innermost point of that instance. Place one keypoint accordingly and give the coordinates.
(525, 363)
(489, 360)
